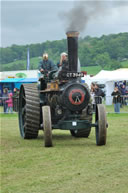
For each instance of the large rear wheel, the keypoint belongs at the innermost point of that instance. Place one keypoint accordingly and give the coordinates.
(47, 126)
(29, 111)
(101, 128)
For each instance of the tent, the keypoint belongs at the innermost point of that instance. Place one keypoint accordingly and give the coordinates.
(9, 83)
(12, 83)
(115, 75)
(11, 80)
(19, 74)
(26, 80)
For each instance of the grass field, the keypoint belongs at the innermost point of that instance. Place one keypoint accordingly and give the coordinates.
(72, 166)
(33, 63)
(109, 109)
(95, 69)
(124, 64)
(92, 69)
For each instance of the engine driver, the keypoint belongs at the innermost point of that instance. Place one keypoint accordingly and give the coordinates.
(46, 65)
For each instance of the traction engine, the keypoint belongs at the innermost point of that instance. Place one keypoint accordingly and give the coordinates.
(60, 102)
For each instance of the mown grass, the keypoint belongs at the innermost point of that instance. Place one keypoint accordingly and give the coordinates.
(91, 69)
(33, 63)
(95, 69)
(124, 64)
(71, 166)
(109, 109)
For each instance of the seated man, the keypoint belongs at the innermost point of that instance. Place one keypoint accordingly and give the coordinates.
(46, 65)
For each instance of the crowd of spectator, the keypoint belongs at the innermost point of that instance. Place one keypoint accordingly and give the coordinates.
(124, 94)
(120, 96)
(6, 100)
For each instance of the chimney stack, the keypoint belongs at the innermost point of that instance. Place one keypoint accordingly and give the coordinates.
(72, 40)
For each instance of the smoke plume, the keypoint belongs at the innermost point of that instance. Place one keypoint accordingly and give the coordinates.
(78, 17)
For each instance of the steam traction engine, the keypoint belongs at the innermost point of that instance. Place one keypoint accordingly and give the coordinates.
(60, 103)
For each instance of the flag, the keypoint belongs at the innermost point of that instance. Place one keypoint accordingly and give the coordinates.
(28, 59)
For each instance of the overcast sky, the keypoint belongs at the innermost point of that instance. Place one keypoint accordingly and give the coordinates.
(26, 22)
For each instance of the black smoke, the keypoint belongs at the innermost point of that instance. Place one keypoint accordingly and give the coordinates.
(83, 11)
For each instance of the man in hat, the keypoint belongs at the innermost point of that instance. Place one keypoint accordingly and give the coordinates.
(46, 65)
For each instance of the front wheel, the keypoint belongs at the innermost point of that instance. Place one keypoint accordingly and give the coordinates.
(47, 126)
(101, 128)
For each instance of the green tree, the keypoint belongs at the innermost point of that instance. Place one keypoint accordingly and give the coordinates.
(103, 60)
(114, 64)
(107, 51)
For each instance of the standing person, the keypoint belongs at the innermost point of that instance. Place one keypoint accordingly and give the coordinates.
(4, 98)
(15, 99)
(123, 93)
(116, 99)
(15, 92)
(46, 65)
(93, 96)
(10, 103)
(98, 94)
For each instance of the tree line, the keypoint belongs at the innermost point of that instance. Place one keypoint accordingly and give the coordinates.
(106, 51)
